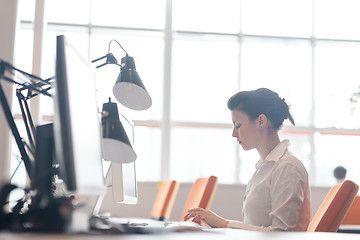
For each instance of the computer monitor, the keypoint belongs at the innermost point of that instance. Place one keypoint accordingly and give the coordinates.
(120, 178)
(124, 182)
(77, 132)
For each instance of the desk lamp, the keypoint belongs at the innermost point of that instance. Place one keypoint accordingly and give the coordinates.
(116, 144)
(130, 91)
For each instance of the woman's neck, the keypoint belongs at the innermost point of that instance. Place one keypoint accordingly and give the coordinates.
(269, 143)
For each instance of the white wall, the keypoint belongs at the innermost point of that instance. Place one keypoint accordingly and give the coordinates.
(227, 201)
(8, 23)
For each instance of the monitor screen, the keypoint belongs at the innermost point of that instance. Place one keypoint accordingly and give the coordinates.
(77, 132)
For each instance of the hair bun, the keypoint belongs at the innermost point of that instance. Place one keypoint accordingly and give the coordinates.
(262, 101)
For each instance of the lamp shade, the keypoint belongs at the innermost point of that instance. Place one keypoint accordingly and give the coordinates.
(116, 144)
(129, 90)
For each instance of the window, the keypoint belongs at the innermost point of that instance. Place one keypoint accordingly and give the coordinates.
(218, 16)
(281, 64)
(204, 75)
(277, 18)
(203, 52)
(337, 78)
(345, 26)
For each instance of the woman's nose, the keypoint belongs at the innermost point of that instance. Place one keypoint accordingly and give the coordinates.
(234, 133)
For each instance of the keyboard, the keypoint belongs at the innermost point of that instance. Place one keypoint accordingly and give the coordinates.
(349, 229)
(140, 225)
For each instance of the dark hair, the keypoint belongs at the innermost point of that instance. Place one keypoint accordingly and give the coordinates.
(340, 172)
(262, 101)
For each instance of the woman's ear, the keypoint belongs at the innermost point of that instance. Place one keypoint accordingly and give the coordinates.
(262, 121)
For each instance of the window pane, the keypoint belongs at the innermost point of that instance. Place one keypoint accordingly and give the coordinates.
(337, 19)
(24, 48)
(26, 10)
(134, 13)
(23, 57)
(68, 11)
(282, 66)
(201, 152)
(148, 150)
(277, 17)
(207, 15)
(204, 77)
(328, 157)
(147, 49)
(336, 79)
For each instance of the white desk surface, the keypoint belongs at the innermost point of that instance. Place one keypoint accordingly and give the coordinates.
(210, 234)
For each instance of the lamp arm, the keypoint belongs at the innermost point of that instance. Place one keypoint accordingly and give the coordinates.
(28, 86)
(15, 132)
(7, 66)
(110, 59)
(28, 122)
(33, 86)
(37, 87)
(100, 58)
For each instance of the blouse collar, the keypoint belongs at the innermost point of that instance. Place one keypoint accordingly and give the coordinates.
(275, 154)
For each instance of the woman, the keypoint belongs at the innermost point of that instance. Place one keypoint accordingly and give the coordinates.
(277, 197)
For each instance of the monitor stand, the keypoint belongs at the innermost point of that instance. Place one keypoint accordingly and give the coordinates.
(44, 170)
(46, 213)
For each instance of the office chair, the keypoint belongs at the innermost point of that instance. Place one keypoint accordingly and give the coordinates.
(334, 207)
(201, 194)
(353, 215)
(165, 199)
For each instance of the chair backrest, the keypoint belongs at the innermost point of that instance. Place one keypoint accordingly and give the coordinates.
(353, 215)
(165, 199)
(334, 207)
(201, 194)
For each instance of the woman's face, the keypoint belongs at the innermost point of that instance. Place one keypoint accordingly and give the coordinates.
(245, 130)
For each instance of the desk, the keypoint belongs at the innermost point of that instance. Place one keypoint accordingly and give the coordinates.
(211, 234)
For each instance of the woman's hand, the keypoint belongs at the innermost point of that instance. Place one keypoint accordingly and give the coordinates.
(206, 216)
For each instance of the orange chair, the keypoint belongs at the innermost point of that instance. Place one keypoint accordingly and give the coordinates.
(353, 215)
(334, 207)
(201, 194)
(165, 199)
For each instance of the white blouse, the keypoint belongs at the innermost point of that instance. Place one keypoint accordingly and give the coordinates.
(277, 197)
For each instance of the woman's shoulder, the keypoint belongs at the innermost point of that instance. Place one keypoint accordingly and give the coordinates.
(290, 160)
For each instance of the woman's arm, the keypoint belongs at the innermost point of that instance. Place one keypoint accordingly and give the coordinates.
(206, 216)
(215, 221)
